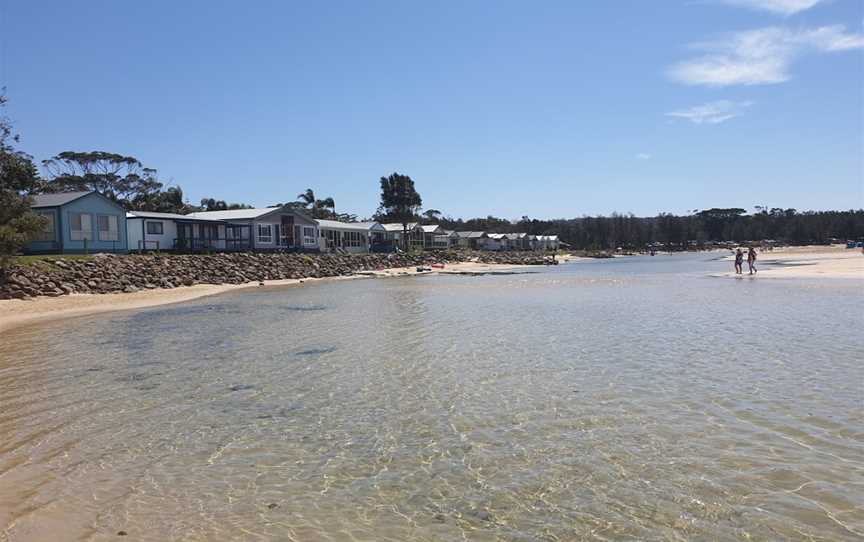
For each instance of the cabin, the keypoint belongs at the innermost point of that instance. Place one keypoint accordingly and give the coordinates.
(147, 230)
(546, 242)
(79, 223)
(394, 233)
(518, 241)
(269, 229)
(452, 239)
(432, 237)
(353, 237)
(496, 242)
(474, 240)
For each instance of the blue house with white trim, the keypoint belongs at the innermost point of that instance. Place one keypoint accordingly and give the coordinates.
(79, 222)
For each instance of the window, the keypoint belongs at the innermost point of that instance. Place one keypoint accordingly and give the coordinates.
(155, 228)
(48, 233)
(308, 235)
(354, 239)
(265, 233)
(108, 230)
(80, 226)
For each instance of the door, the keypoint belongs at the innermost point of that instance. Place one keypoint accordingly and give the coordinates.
(288, 230)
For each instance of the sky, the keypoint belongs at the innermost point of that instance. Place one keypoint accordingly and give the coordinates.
(508, 108)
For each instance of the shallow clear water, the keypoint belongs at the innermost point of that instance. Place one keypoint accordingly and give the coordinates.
(610, 400)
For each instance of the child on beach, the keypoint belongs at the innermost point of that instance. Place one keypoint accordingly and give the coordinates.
(751, 260)
(739, 262)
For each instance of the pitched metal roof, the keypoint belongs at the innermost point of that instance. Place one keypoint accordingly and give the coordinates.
(431, 228)
(248, 214)
(398, 227)
(471, 234)
(57, 199)
(359, 226)
(233, 214)
(167, 216)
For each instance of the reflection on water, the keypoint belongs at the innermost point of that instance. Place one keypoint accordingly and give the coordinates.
(614, 400)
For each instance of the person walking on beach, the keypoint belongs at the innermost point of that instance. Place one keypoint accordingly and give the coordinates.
(751, 260)
(739, 262)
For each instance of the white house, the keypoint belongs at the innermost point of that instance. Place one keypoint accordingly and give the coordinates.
(433, 236)
(271, 228)
(546, 242)
(518, 241)
(474, 240)
(394, 232)
(169, 231)
(497, 241)
(355, 237)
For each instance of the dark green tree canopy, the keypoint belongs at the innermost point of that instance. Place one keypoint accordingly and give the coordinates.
(170, 200)
(210, 204)
(18, 179)
(400, 201)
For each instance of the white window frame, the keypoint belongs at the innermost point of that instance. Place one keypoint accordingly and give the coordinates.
(259, 237)
(49, 232)
(86, 231)
(155, 223)
(109, 234)
(309, 236)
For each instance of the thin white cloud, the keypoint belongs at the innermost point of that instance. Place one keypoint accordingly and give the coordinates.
(780, 7)
(760, 57)
(712, 112)
(643, 156)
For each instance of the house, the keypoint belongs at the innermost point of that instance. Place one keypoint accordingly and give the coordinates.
(474, 240)
(270, 228)
(394, 231)
(452, 239)
(355, 237)
(169, 231)
(433, 236)
(518, 241)
(78, 223)
(496, 241)
(546, 242)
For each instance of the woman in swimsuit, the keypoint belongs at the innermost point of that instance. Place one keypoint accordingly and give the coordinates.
(739, 262)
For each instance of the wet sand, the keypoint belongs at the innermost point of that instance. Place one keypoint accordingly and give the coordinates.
(20, 312)
(832, 262)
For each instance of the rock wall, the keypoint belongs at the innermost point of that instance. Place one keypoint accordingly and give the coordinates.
(103, 274)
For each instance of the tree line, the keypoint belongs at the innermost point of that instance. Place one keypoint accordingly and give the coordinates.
(678, 232)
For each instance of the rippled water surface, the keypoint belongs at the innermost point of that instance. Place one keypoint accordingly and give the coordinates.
(608, 400)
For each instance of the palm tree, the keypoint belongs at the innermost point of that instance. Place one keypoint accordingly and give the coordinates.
(433, 215)
(307, 197)
(320, 208)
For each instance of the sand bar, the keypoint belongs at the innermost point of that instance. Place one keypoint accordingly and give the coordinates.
(828, 262)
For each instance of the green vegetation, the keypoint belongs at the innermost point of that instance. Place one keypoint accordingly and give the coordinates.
(318, 208)
(400, 202)
(18, 179)
(679, 232)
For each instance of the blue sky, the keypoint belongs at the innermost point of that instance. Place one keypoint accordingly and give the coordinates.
(547, 109)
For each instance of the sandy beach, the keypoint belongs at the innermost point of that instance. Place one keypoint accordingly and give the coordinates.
(20, 312)
(830, 262)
